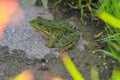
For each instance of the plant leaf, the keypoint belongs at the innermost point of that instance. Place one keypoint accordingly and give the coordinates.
(94, 73)
(111, 54)
(44, 3)
(116, 74)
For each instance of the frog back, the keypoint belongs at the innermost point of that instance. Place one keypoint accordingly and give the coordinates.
(55, 24)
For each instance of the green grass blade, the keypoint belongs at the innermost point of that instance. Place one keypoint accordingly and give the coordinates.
(113, 37)
(56, 3)
(106, 17)
(44, 3)
(94, 74)
(115, 46)
(116, 74)
(116, 8)
(76, 75)
(111, 54)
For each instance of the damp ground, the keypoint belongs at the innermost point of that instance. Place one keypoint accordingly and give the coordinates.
(22, 47)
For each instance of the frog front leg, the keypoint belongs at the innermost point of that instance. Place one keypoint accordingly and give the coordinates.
(51, 42)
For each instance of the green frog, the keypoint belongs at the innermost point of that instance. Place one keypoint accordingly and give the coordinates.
(57, 32)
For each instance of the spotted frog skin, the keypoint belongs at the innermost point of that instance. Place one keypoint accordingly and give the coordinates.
(57, 32)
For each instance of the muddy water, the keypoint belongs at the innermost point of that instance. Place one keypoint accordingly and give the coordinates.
(22, 47)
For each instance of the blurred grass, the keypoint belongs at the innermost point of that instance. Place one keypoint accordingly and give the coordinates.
(76, 75)
(116, 74)
(44, 2)
(109, 12)
(94, 73)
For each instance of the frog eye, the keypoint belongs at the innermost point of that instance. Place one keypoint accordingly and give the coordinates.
(40, 23)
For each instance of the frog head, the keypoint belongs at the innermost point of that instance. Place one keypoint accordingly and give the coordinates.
(39, 24)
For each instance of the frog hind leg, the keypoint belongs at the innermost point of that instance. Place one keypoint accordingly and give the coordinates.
(69, 41)
(51, 42)
(69, 46)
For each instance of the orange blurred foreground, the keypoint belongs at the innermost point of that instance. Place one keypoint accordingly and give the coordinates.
(48, 76)
(30, 75)
(25, 75)
(7, 9)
